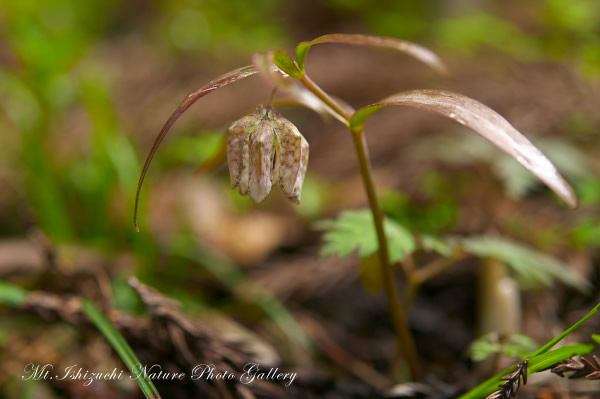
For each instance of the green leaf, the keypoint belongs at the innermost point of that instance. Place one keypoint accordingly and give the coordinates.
(355, 231)
(548, 359)
(419, 52)
(537, 362)
(517, 345)
(484, 347)
(286, 64)
(568, 331)
(484, 121)
(120, 346)
(12, 295)
(533, 268)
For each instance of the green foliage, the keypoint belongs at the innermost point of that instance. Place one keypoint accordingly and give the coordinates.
(516, 345)
(539, 360)
(355, 231)
(534, 269)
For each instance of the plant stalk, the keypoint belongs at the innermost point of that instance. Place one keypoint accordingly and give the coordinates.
(323, 96)
(403, 337)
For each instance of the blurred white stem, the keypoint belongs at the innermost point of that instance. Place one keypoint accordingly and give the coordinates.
(499, 300)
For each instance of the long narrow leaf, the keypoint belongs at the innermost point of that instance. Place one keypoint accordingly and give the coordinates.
(549, 359)
(223, 80)
(534, 365)
(419, 52)
(568, 331)
(121, 347)
(540, 355)
(484, 121)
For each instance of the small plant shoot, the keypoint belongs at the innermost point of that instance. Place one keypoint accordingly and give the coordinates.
(264, 150)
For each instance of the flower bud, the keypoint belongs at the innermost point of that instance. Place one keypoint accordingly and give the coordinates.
(263, 149)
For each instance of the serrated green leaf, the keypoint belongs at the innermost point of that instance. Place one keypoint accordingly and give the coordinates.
(355, 231)
(533, 268)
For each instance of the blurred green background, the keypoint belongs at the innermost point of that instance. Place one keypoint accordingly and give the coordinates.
(85, 86)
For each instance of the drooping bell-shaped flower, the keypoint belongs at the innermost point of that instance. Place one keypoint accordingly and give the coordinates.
(263, 149)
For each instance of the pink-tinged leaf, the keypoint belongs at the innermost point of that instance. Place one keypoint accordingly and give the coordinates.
(419, 52)
(264, 63)
(223, 80)
(483, 120)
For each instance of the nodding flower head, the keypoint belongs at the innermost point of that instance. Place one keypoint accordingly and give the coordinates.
(264, 148)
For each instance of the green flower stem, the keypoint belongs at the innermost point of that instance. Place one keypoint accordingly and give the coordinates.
(323, 96)
(403, 337)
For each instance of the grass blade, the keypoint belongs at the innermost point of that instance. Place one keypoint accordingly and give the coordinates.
(568, 331)
(120, 346)
(540, 360)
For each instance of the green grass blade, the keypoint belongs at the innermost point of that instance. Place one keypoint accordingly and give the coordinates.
(121, 347)
(535, 364)
(548, 359)
(566, 332)
(539, 360)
